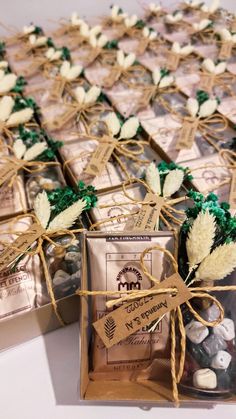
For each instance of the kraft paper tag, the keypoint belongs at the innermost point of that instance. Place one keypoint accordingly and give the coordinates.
(172, 61)
(148, 216)
(233, 27)
(206, 82)
(226, 50)
(187, 134)
(232, 195)
(99, 159)
(22, 243)
(133, 316)
(7, 171)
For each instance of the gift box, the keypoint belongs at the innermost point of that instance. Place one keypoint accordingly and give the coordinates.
(26, 309)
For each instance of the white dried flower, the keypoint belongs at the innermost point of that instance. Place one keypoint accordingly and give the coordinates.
(53, 54)
(75, 20)
(194, 4)
(67, 218)
(3, 64)
(166, 81)
(208, 108)
(7, 82)
(173, 182)
(95, 30)
(116, 15)
(37, 41)
(209, 65)
(19, 148)
(42, 208)
(28, 29)
(99, 41)
(192, 106)
(153, 7)
(200, 238)
(129, 128)
(131, 21)
(6, 106)
(84, 30)
(173, 18)
(149, 34)
(70, 72)
(20, 117)
(220, 263)
(152, 178)
(184, 51)
(92, 94)
(203, 24)
(125, 61)
(212, 7)
(80, 94)
(156, 76)
(34, 151)
(112, 123)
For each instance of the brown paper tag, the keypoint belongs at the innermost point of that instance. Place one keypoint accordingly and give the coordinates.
(133, 316)
(187, 134)
(226, 50)
(99, 159)
(206, 82)
(148, 216)
(21, 243)
(233, 26)
(7, 171)
(232, 195)
(172, 61)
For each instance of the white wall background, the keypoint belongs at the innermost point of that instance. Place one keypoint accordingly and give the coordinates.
(39, 380)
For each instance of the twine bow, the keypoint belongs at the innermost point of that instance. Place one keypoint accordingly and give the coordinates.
(129, 149)
(175, 315)
(124, 75)
(37, 249)
(209, 80)
(167, 209)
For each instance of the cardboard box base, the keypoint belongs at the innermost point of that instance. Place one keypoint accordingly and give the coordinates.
(39, 321)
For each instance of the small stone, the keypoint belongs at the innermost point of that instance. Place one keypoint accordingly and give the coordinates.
(213, 344)
(73, 248)
(221, 360)
(205, 379)
(75, 276)
(50, 250)
(199, 355)
(70, 267)
(64, 240)
(60, 277)
(223, 380)
(225, 329)
(211, 313)
(196, 331)
(72, 256)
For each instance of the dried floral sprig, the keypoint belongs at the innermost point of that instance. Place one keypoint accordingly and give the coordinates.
(61, 198)
(121, 129)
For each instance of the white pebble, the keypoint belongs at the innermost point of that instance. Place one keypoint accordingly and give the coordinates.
(221, 360)
(225, 329)
(205, 379)
(196, 331)
(211, 313)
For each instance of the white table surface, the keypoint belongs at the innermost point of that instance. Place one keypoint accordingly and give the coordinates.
(39, 380)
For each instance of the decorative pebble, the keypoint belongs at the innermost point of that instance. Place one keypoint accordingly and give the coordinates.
(213, 344)
(196, 331)
(221, 360)
(205, 379)
(60, 277)
(199, 355)
(211, 313)
(225, 329)
(223, 380)
(73, 248)
(72, 256)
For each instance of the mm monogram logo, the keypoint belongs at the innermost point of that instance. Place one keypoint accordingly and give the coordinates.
(110, 327)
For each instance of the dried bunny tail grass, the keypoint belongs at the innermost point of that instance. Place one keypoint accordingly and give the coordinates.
(66, 218)
(42, 208)
(220, 263)
(20, 117)
(129, 128)
(35, 151)
(152, 178)
(200, 238)
(173, 182)
(19, 148)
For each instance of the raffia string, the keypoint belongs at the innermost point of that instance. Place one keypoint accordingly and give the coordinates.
(123, 148)
(225, 80)
(38, 249)
(176, 315)
(166, 210)
(118, 72)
